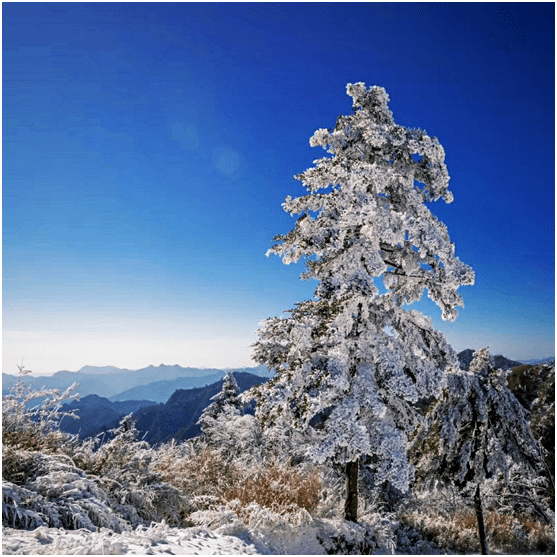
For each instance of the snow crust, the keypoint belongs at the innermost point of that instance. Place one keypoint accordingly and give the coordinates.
(232, 538)
(154, 540)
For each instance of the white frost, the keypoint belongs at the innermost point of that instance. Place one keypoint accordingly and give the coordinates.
(351, 360)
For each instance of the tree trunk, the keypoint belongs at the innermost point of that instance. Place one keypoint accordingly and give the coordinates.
(351, 504)
(480, 519)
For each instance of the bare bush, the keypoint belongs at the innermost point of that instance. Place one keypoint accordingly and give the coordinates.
(280, 488)
(206, 473)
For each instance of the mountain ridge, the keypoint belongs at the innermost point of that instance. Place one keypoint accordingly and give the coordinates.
(111, 384)
(97, 414)
(161, 391)
(175, 418)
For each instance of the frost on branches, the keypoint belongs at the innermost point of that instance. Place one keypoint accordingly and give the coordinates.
(354, 359)
(226, 401)
(478, 439)
(226, 429)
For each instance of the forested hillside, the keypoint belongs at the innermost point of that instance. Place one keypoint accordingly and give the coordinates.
(96, 414)
(177, 418)
(534, 387)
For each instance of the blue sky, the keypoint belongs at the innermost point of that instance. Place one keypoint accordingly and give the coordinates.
(147, 149)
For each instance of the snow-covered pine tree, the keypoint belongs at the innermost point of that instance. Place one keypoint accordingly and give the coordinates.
(226, 401)
(225, 428)
(354, 359)
(477, 437)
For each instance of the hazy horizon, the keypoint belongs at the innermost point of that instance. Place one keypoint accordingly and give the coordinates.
(250, 366)
(205, 368)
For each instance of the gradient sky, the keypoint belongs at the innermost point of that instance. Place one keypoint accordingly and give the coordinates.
(147, 149)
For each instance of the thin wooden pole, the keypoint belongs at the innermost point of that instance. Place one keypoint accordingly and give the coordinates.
(351, 504)
(480, 519)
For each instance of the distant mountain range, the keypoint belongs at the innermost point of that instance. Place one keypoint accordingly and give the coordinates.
(548, 360)
(155, 383)
(161, 391)
(158, 383)
(97, 414)
(175, 419)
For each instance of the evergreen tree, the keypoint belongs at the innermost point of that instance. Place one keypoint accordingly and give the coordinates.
(352, 363)
(226, 402)
(225, 428)
(478, 439)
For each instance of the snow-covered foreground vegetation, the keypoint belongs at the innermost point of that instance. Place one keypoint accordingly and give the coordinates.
(234, 490)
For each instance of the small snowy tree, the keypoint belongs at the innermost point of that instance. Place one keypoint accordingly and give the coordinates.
(227, 401)
(226, 429)
(354, 360)
(478, 438)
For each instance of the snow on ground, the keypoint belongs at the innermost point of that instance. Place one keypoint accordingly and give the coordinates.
(155, 540)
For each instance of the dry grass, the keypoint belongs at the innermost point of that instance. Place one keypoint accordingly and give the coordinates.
(205, 473)
(279, 488)
(34, 439)
(542, 535)
(506, 534)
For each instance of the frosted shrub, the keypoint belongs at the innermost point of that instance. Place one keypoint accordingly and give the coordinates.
(257, 517)
(64, 496)
(15, 511)
(278, 533)
(58, 495)
(271, 533)
(19, 466)
(123, 451)
(506, 534)
(126, 467)
(221, 517)
(240, 439)
(77, 501)
(30, 418)
(227, 430)
(114, 487)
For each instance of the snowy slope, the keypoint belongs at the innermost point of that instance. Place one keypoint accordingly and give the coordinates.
(157, 539)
